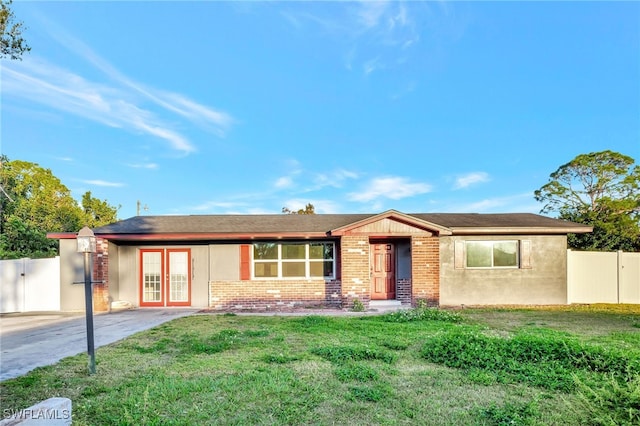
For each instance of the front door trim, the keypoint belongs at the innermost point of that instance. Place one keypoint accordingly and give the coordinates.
(383, 270)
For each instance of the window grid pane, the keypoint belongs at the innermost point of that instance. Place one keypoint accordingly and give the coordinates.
(265, 251)
(293, 260)
(320, 269)
(293, 251)
(293, 269)
(265, 269)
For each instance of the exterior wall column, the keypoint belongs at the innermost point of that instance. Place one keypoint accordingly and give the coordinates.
(100, 276)
(356, 279)
(425, 270)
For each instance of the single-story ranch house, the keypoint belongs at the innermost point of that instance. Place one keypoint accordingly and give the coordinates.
(275, 261)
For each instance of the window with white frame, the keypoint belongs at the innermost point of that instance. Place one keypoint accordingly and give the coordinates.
(492, 254)
(294, 260)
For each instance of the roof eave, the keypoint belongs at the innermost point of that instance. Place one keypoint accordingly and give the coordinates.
(521, 230)
(206, 236)
(62, 235)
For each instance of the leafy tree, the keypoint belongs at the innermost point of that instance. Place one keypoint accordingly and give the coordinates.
(20, 239)
(600, 189)
(98, 212)
(308, 209)
(12, 44)
(33, 202)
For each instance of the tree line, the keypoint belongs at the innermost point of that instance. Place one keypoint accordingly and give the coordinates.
(33, 202)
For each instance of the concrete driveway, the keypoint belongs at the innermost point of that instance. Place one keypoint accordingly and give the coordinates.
(30, 341)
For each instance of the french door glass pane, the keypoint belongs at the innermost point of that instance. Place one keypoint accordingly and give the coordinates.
(179, 277)
(152, 276)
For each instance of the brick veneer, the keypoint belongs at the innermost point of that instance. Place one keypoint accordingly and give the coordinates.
(100, 276)
(273, 294)
(425, 269)
(403, 291)
(356, 281)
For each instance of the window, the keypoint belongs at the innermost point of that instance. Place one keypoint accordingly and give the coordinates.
(293, 260)
(492, 254)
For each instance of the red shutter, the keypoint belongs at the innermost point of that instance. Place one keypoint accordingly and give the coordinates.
(245, 262)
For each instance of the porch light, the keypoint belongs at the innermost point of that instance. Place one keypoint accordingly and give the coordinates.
(87, 244)
(86, 241)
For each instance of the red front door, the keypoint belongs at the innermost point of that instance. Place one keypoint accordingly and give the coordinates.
(383, 271)
(165, 277)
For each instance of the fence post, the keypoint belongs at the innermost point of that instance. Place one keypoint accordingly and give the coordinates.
(569, 278)
(619, 272)
(23, 280)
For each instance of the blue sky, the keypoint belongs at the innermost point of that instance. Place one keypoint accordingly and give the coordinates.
(247, 107)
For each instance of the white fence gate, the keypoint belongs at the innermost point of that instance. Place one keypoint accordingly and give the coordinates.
(28, 285)
(603, 277)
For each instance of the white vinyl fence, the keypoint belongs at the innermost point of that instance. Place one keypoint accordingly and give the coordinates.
(603, 277)
(28, 285)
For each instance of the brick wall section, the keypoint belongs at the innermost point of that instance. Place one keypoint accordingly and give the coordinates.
(273, 294)
(425, 269)
(100, 276)
(403, 291)
(356, 278)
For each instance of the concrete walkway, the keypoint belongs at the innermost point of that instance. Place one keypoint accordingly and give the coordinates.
(30, 341)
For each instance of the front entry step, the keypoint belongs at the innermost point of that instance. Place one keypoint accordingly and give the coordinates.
(385, 305)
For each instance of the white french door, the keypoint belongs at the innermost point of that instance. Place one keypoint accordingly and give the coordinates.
(165, 277)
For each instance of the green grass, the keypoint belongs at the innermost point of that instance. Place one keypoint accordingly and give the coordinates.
(563, 366)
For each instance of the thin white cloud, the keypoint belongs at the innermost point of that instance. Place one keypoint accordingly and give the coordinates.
(42, 82)
(399, 19)
(197, 113)
(174, 102)
(284, 182)
(404, 90)
(469, 179)
(150, 166)
(392, 187)
(216, 205)
(371, 29)
(320, 206)
(103, 183)
(370, 13)
(516, 203)
(119, 102)
(333, 179)
(371, 66)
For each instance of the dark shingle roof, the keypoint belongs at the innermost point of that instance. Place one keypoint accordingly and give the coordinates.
(321, 224)
(259, 224)
(493, 220)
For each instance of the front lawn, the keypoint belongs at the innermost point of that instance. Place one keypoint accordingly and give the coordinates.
(473, 367)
